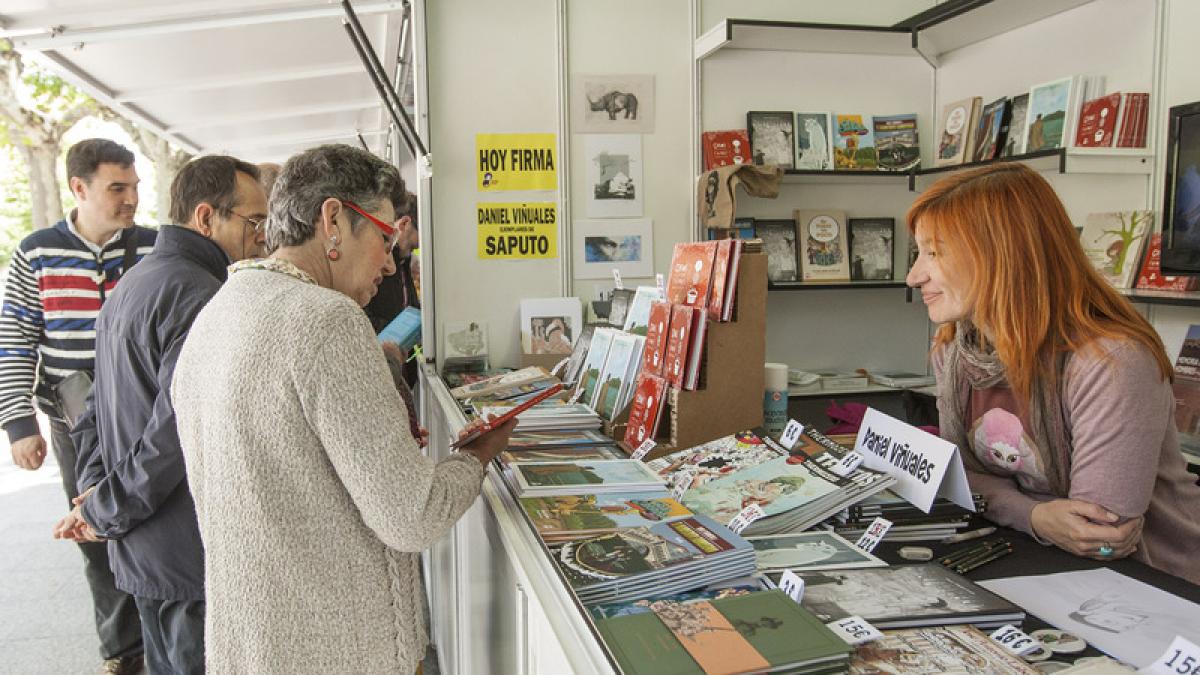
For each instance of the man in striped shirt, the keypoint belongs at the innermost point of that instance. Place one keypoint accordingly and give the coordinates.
(57, 281)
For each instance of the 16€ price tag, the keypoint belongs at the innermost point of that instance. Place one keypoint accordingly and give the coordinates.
(874, 534)
(848, 464)
(791, 434)
(854, 630)
(748, 515)
(643, 449)
(1181, 658)
(792, 584)
(1011, 638)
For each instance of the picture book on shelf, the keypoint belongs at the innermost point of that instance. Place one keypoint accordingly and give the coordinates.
(621, 359)
(779, 241)
(589, 376)
(872, 245)
(1048, 116)
(1014, 141)
(678, 342)
(1151, 276)
(771, 138)
(822, 245)
(854, 144)
(896, 145)
(654, 352)
(712, 460)
(690, 279)
(989, 132)
(1098, 122)
(814, 144)
(776, 486)
(574, 367)
(1113, 243)
(619, 301)
(649, 395)
(956, 130)
(720, 278)
(723, 148)
(699, 333)
(637, 318)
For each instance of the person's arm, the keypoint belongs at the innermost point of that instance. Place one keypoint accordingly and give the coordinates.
(21, 331)
(146, 476)
(406, 498)
(89, 463)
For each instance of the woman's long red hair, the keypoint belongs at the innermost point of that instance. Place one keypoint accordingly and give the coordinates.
(1035, 292)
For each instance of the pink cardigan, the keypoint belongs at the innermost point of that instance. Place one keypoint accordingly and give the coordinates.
(1124, 455)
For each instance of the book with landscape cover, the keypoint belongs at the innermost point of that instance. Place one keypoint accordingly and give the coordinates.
(569, 454)
(584, 476)
(536, 440)
(589, 375)
(776, 486)
(872, 244)
(1048, 118)
(649, 395)
(779, 241)
(823, 245)
(1098, 122)
(809, 551)
(691, 273)
(941, 649)
(657, 331)
(853, 144)
(907, 596)
(989, 131)
(1113, 242)
(896, 142)
(956, 130)
(678, 340)
(722, 589)
(722, 148)
(637, 318)
(1014, 140)
(607, 398)
(583, 516)
(763, 631)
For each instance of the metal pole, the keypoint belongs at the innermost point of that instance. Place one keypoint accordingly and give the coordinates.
(380, 87)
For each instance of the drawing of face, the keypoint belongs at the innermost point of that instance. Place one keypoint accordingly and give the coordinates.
(1115, 619)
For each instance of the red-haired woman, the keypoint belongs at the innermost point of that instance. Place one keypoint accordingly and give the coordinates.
(1057, 391)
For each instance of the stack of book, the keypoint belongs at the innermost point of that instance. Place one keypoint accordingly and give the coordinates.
(550, 415)
(564, 518)
(938, 649)
(909, 523)
(583, 476)
(667, 557)
(900, 379)
(565, 454)
(762, 631)
(506, 385)
(715, 459)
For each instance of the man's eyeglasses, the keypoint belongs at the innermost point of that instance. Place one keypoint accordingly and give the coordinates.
(257, 223)
(391, 234)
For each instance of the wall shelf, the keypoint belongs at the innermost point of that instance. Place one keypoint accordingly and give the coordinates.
(1150, 297)
(832, 285)
(815, 177)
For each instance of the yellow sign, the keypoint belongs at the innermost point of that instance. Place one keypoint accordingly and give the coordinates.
(516, 162)
(517, 231)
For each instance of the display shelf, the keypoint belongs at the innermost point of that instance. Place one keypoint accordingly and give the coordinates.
(1137, 161)
(833, 285)
(871, 388)
(953, 25)
(843, 177)
(1150, 297)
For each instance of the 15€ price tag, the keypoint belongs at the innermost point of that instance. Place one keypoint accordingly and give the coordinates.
(792, 584)
(643, 449)
(874, 534)
(1181, 658)
(617, 279)
(1011, 638)
(748, 515)
(848, 464)
(682, 483)
(854, 630)
(791, 434)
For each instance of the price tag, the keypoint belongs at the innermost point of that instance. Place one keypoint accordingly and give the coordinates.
(643, 449)
(561, 365)
(682, 483)
(577, 395)
(1181, 658)
(792, 584)
(791, 434)
(874, 534)
(848, 464)
(658, 279)
(1011, 638)
(617, 279)
(748, 515)
(854, 630)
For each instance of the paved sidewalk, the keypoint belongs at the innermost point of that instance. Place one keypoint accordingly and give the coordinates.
(46, 623)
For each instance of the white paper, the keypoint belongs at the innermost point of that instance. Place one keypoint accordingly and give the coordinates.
(550, 325)
(792, 584)
(924, 465)
(1181, 658)
(1125, 618)
(614, 175)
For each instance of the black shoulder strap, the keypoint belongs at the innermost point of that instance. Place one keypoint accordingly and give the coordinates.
(131, 242)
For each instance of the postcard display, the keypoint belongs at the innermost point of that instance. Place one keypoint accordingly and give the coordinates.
(729, 398)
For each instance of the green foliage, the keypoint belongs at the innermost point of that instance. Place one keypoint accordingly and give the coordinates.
(16, 212)
(50, 95)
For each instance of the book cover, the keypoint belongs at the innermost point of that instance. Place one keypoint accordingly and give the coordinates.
(731, 281)
(718, 458)
(675, 365)
(404, 330)
(690, 281)
(721, 589)
(1014, 140)
(589, 375)
(904, 596)
(482, 388)
(771, 135)
(565, 517)
(1048, 115)
(637, 550)
(574, 367)
(568, 454)
(779, 241)
(723, 148)
(814, 143)
(1187, 384)
(654, 352)
(989, 131)
(695, 359)
(809, 551)
(637, 318)
(823, 243)
(1113, 243)
(854, 144)
(1151, 276)
(709, 637)
(943, 649)
(584, 474)
(955, 131)
(548, 440)
(648, 397)
(619, 301)
(872, 249)
(720, 278)
(550, 325)
(896, 145)
(612, 377)
(1098, 122)
(776, 486)
(627, 381)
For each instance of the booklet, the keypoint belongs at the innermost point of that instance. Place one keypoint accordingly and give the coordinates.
(404, 330)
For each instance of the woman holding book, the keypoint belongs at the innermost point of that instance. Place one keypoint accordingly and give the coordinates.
(1055, 389)
(313, 496)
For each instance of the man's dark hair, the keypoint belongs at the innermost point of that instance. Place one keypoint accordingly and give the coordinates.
(85, 157)
(208, 180)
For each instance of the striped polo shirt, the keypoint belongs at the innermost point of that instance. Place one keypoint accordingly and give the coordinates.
(57, 282)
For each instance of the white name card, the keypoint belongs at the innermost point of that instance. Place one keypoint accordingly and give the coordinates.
(792, 584)
(854, 630)
(1011, 638)
(847, 464)
(791, 434)
(1181, 658)
(925, 466)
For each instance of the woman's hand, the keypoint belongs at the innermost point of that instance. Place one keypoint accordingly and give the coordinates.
(486, 447)
(1083, 528)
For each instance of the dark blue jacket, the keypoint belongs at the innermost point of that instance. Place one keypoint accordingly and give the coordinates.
(128, 444)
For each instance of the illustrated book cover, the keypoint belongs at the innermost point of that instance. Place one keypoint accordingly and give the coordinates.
(649, 395)
(550, 325)
(1098, 122)
(853, 144)
(637, 318)
(589, 375)
(990, 130)
(712, 460)
(582, 516)
(1049, 115)
(822, 243)
(1014, 140)
(723, 148)
(1113, 242)
(690, 280)
(584, 476)
(678, 341)
(956, 130)
(771, 138)
(779, 241)
(814, 143)
(942, 649)
(658, 327)
(809, 551)
(872, 247)
(896, 144)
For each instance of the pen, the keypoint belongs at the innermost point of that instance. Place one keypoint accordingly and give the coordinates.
(978, 555)
(965, 536)
(969, 551)
(998, 553)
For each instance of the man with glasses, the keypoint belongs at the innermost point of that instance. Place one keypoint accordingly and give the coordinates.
(132, 480)
(399, 291)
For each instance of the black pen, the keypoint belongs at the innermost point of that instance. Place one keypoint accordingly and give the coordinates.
(971, 551)
(994, 555)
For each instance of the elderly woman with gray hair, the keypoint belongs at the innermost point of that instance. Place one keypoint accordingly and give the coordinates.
(314, 499)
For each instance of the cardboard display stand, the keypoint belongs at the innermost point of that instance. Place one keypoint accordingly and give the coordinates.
(729, 397)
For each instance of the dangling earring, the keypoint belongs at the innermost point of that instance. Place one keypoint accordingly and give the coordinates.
(332, 252)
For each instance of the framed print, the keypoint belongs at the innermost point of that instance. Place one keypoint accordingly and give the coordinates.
(602, 245)
(612, 104)
(614, 175)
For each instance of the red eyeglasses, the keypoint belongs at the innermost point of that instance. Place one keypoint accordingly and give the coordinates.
(391, 233)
